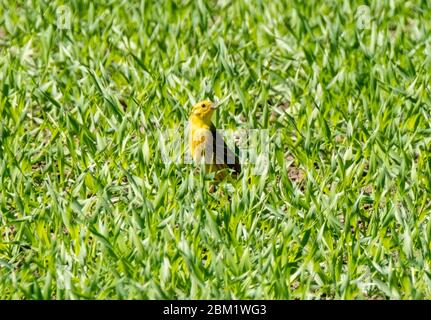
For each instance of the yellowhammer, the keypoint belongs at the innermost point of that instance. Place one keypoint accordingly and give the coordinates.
(207, 144)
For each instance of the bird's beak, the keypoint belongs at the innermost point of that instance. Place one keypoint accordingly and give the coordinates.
(214, 105)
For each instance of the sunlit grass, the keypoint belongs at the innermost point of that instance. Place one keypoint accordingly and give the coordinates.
(88, 209)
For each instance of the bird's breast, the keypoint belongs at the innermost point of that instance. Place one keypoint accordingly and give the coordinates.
(198, 139)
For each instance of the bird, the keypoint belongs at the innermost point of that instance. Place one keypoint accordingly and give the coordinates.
(207, 144)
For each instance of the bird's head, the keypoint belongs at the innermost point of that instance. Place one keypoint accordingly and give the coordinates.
(204, 110)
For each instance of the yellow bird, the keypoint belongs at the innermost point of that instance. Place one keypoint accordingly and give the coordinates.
(207, 144)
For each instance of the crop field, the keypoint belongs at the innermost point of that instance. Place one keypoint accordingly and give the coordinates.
(91, 209)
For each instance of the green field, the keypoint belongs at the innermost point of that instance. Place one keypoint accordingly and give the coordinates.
(88, 209)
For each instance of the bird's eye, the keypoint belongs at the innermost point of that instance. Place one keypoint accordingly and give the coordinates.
(203, 105)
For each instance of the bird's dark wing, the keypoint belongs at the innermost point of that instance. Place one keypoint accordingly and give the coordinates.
(224, 156)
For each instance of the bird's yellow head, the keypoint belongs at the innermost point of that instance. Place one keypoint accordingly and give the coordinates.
(204, 110)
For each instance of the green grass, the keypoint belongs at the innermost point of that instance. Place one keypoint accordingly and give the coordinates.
(89, 210)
